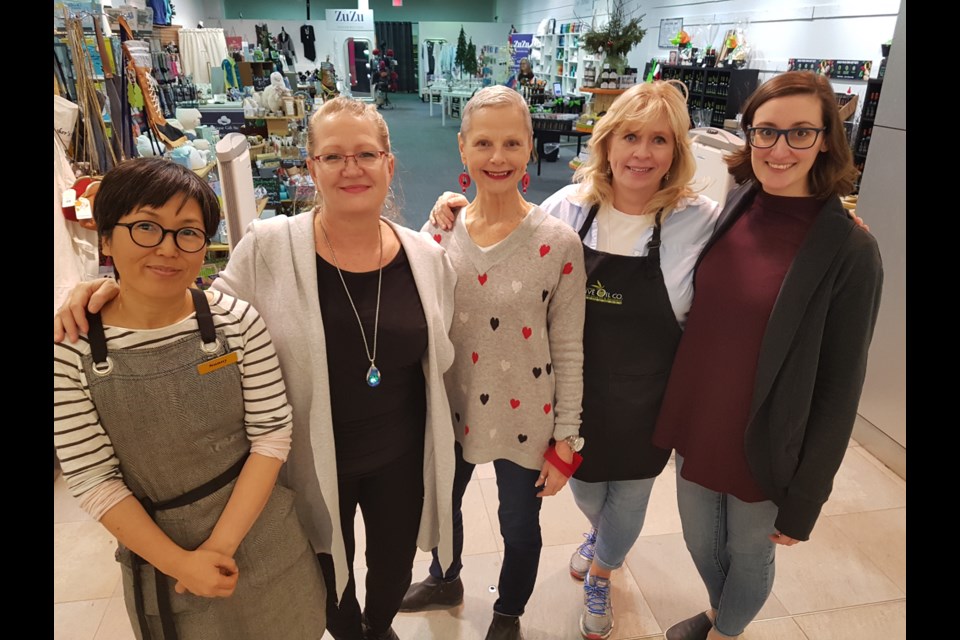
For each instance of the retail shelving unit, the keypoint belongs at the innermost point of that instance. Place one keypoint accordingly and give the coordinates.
(722, 89)
(560, 58)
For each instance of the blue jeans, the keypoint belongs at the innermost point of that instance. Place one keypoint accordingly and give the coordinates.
(616, 510)
(727, 539)
(519, 515)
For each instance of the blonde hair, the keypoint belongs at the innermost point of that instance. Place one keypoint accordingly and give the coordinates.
(635, 109)
(357, 109)
(495, 96)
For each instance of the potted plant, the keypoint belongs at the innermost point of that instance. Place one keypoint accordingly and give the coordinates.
(616, 38)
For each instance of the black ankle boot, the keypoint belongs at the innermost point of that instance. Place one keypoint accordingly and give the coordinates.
(432, 593)
(370, 634)
(504, 628)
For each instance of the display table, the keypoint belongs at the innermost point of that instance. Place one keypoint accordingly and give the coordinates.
(445, 97)
(431, 93)
(602, 98)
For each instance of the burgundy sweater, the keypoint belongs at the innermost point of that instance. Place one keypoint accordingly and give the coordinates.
(707, 403)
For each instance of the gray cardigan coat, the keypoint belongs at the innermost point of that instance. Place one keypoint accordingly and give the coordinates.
(812, 363)
(274, 268)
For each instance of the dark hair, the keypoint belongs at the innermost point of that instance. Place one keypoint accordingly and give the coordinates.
(152, 182)
(833, 172)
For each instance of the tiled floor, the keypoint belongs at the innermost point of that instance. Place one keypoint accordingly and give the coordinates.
(847, 583)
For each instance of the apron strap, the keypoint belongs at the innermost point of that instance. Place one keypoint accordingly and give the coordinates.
(589, 221)
(653, 247)
(204, 317)
(97, 338)
(161, 581)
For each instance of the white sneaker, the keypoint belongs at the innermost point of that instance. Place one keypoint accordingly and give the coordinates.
(596, 621)
(582, 558)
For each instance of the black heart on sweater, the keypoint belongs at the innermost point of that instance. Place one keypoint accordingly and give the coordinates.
(522, 438)
(457, 416)
(543, 296)
(537, 371)
(549, 368)
(483, 398)
(494, 323)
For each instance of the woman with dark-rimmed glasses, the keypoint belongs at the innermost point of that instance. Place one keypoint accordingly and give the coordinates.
(171, 423)
(764, 390)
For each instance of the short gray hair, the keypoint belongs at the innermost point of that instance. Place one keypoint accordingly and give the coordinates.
(495, 96)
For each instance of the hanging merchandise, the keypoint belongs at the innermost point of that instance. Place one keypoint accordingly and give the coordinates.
(74, 246)
(162, 11)
(231, 78)
(139, 60)
(286, 47)
(93, 143)
(199, 50)
(307, 38)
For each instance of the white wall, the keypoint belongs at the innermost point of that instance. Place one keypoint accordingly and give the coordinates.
(481, 32)
(845, 29)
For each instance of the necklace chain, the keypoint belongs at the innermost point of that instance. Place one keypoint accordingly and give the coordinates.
(373, 374)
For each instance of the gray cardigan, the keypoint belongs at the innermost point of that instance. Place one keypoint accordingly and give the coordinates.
(813, 360)
(274, 268)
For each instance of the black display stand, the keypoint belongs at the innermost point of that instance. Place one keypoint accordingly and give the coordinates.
(871, 98)
(719, 88)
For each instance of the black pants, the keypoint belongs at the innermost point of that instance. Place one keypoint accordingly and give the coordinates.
(519, 514)
(391, 500)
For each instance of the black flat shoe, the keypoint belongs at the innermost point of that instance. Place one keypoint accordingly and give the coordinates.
(695, 628)
(504, 628)
(432, 593)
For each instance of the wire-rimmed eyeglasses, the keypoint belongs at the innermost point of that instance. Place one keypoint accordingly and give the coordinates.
(149, 234)
(797, 137)
(335, 161)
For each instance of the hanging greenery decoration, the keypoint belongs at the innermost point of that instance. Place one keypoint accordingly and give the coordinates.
(618, 36)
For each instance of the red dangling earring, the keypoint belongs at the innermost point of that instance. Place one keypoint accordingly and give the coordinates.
(525, 181)
(464, 179)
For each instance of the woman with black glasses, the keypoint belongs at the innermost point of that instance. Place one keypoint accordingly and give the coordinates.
(764, 389)
(171, 424)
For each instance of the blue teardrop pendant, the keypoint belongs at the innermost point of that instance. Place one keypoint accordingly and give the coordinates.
(373, 376)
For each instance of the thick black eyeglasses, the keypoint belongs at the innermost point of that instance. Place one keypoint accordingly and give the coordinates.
(797, 138)
(150, 234)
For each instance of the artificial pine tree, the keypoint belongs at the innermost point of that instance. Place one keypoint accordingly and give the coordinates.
(471, 62)
(461, 56)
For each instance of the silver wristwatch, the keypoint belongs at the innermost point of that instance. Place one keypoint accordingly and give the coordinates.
(574, 442)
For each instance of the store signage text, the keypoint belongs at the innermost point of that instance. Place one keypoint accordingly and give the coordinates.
(350, 19)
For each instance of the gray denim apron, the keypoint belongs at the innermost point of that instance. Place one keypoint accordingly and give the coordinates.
(180, 438)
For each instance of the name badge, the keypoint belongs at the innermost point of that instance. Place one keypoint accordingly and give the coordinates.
(212, 365)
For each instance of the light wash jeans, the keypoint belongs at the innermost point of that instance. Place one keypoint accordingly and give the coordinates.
(616, 510)
(727, 539)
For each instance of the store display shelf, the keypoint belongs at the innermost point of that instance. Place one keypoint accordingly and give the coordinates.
(602, 92)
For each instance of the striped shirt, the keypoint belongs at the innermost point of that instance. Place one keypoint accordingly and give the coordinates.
(90, 466)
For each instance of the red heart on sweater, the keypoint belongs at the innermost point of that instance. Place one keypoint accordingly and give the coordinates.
(438, 237)
(527, 332)
(514, 403)
(546, 408)
(483, 278)
(544, 250)
(466, 429)
(567, 268)
(475, 357)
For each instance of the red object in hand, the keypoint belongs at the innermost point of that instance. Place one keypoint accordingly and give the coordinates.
(567, 469)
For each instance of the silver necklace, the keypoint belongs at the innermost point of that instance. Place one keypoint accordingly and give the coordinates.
(373, 376)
